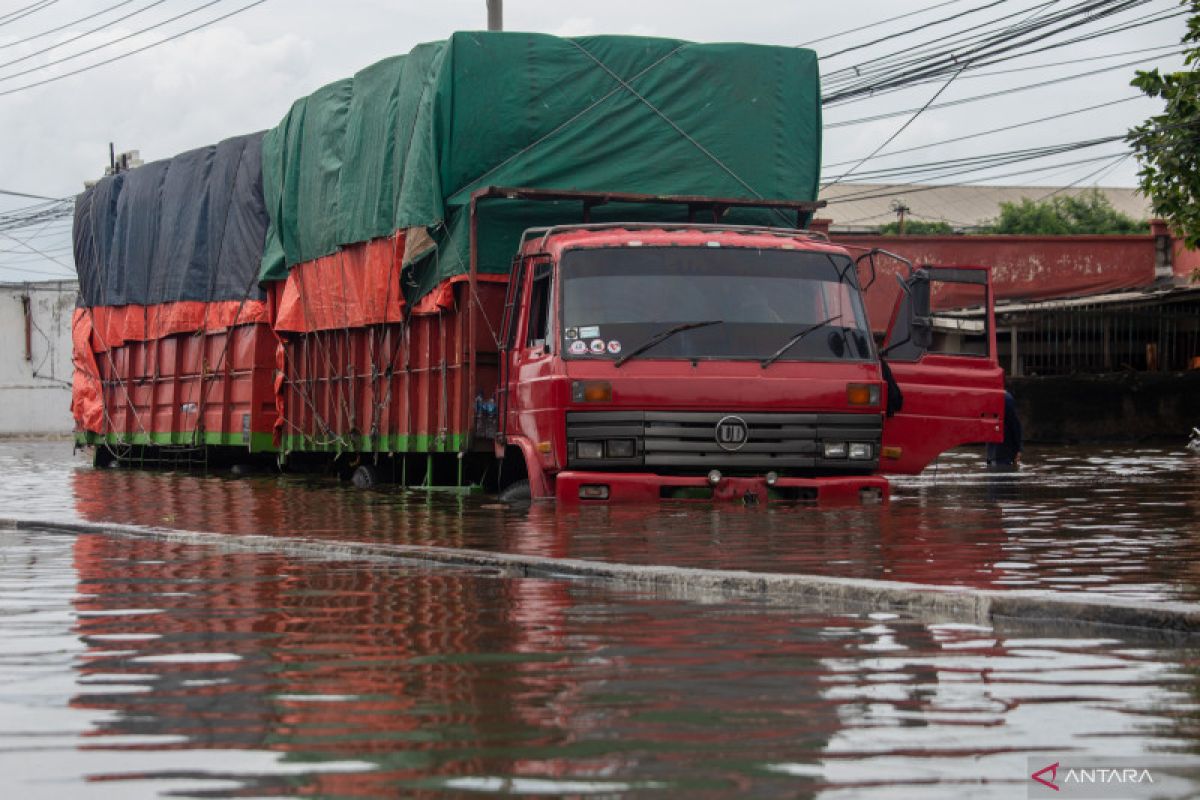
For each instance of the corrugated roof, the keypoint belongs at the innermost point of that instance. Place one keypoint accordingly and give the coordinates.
(868, 206)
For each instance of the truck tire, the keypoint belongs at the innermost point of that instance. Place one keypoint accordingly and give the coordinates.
(103, 457)
(365, 477)
(516, 493)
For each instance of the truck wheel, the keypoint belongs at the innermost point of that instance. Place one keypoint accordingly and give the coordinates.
(103, 457)
(365, 477)
(516, 493)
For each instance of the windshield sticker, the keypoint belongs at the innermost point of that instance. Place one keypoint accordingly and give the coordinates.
(589, 331)
(579, 347)
(614, 346)
(597, 346)
(572, 333)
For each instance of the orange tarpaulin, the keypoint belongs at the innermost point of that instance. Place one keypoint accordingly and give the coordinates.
(87, 396)
(355, 287)
(112, 326)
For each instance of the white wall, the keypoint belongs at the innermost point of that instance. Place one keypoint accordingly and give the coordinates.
(35, 393)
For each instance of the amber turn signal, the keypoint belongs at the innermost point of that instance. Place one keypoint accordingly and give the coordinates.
(591, 392)
(862, 394)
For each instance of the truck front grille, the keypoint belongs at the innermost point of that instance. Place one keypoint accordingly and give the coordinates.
(685, 441)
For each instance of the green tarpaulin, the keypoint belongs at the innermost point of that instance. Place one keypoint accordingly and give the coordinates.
(404, 142)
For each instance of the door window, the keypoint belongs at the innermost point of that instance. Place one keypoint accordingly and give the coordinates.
(539, 308)
(958, 318)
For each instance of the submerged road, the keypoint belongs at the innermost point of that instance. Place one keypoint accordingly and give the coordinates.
(143, 661)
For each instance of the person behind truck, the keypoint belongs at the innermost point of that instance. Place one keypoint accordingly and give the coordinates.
(1008, 452)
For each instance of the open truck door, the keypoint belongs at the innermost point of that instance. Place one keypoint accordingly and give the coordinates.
(941, 350)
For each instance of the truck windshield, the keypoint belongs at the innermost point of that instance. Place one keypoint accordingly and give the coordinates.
(616, 299)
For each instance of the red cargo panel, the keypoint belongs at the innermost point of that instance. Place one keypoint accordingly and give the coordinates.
(183, 389)
(393, 387)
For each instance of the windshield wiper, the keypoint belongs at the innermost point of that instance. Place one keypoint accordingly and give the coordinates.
(662, 336)
(796, 337)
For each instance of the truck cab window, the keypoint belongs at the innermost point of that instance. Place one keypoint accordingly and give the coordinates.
(539, 310)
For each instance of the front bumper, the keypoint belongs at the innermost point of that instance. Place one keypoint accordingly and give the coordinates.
(626, 487)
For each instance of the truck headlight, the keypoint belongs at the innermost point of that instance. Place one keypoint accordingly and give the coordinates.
(619, 448)
(592, 451)
(860, 451)
(835, 449)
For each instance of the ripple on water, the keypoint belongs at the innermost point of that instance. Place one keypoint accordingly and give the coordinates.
(954, 524)
(301, 677)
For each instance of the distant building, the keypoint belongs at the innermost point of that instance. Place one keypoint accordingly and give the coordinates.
(867, 207)
(35, 357)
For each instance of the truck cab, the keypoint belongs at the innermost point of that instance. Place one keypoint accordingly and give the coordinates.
(647, 362)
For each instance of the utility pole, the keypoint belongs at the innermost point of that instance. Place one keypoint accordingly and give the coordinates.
(901, 209)
(495, 9)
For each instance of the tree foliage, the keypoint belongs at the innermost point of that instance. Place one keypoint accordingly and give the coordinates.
(916, 227)
(1088, 212)
(1168, 144)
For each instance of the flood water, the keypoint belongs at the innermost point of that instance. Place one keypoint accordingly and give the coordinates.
(132, 668)
(1117, 520)
(138, 668)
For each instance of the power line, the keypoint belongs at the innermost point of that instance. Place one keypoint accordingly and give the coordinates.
(935, 169)
(877, 24)
(986, 96)
(953, 47)
(1103, 168)
(63, 27)
(925, 26)
(142, 49)
(83, 35)
(25, 11)
(30, 196)
(34, 249)
(955, 166)
(899, 130)
(923, 52)
(911, 189)
(979, 49)
(44, 273)
(980, 134)
(871, 91)
(1159, 52)
(118, 40)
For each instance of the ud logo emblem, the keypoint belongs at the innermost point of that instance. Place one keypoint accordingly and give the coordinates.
(732, 433)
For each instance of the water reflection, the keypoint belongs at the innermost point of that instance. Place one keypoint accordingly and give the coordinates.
(132, 667)
(1075, 519)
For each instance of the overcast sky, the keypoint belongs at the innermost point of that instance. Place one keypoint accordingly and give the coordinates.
(241, 74)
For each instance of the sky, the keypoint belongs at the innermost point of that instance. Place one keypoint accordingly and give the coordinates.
(241, 74)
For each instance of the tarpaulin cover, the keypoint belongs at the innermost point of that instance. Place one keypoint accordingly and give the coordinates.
(87, 394)
(113, 326)
(404, 142)
(188, 228)
(355, 287)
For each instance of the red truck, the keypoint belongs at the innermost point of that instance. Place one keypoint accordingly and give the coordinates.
(356, 289)
(649, 361)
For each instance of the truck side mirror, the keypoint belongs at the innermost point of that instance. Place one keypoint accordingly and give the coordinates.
(919, 304)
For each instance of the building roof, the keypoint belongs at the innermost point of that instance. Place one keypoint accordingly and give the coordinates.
(41, 285)
(868, 206)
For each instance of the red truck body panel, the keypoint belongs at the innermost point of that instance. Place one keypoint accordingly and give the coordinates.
(208, 388)
(948, 400)
(391, 387)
